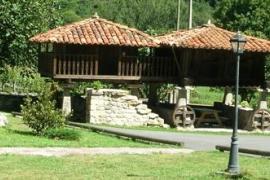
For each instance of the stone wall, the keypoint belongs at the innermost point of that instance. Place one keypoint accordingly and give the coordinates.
(117, 107)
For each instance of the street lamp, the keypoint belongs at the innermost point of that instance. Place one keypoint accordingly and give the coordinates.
(238, 42)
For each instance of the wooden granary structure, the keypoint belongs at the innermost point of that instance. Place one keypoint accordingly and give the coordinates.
(205, 57)
(98, 49)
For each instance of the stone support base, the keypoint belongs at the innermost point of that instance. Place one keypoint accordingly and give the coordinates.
(66, 106)
(117, 107)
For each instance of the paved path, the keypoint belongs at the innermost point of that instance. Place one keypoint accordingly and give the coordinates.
(91, 151)
(201, 142)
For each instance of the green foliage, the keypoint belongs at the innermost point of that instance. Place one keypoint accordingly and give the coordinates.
(41, 115)
(80, 87)
(267, 68)
(164, 90)
(63, 134)
(20, 20)
(244, 104)
(249, 16)
(253, 18)
(18, 79)
(158, 15)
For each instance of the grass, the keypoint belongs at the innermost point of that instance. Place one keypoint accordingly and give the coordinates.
(16, 134)
(193, 166)
(206, 95)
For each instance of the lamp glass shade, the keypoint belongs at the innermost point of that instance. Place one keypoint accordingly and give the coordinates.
(238, 43)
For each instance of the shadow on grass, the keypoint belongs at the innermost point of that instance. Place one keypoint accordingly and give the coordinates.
(19, 132)
(244, 175)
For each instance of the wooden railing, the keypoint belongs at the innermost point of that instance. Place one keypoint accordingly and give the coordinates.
(86, 67)
(75, 64)
(67, 64)
(147, 66)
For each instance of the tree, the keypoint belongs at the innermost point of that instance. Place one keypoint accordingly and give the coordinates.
(159, 15)
(20, 20)
(250, 16)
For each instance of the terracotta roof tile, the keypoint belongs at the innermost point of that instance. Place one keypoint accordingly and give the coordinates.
(96, 31)
(210, 37)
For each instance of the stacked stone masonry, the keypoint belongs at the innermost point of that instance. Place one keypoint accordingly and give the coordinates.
(118, 107)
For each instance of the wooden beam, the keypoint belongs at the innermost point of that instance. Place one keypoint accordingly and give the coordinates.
(109, 77)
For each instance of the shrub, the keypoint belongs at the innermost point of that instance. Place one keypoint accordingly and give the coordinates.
(245, 104)
(62, 133)
(18, 79)
(41, 114)
(80, 87)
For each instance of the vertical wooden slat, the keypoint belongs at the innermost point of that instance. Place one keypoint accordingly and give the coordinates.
(132, 60)
(165, 70)
(59, 64)
(73, 65)
(87, 59)
(123, 67)
(161, 67)
(77, 64)
(168, 67)
(91, 68)
(140, 66)
(82, 65)
(64, 64)
(54, 65)
(148, 66)
(136, 67)
(68, 65)
(119, 66)
(158, 67)
(96, 66)
(128, 66)
(175, 70)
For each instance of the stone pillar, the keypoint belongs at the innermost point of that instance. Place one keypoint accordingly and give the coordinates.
(66, 104)
(134, 89)
(228, 96)
(263, 98)
(182, 96)
(153, 94)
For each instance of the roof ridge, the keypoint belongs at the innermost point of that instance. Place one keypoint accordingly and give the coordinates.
(247, 36)
(211, 37)
(127, 28)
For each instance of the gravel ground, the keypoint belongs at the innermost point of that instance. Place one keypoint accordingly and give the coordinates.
(90, 151)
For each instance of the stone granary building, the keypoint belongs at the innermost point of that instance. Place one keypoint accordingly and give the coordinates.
(98, 49)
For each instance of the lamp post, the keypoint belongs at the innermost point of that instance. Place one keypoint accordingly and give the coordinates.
(238, 42)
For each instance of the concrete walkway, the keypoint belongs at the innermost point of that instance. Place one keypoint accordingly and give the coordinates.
(198, 142)
(90, 151)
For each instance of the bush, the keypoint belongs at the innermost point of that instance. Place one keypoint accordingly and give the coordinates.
(19, 79)
(80, 88)
(63, 134)
(41, 114)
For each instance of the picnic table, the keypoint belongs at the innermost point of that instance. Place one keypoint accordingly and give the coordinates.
(208, 116)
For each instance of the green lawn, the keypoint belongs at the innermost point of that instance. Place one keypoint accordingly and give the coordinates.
(206, 95)
(16, 134)
(193, 166)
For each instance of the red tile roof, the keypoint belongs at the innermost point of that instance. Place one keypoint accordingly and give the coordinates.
(210, 37)
(96, 31)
